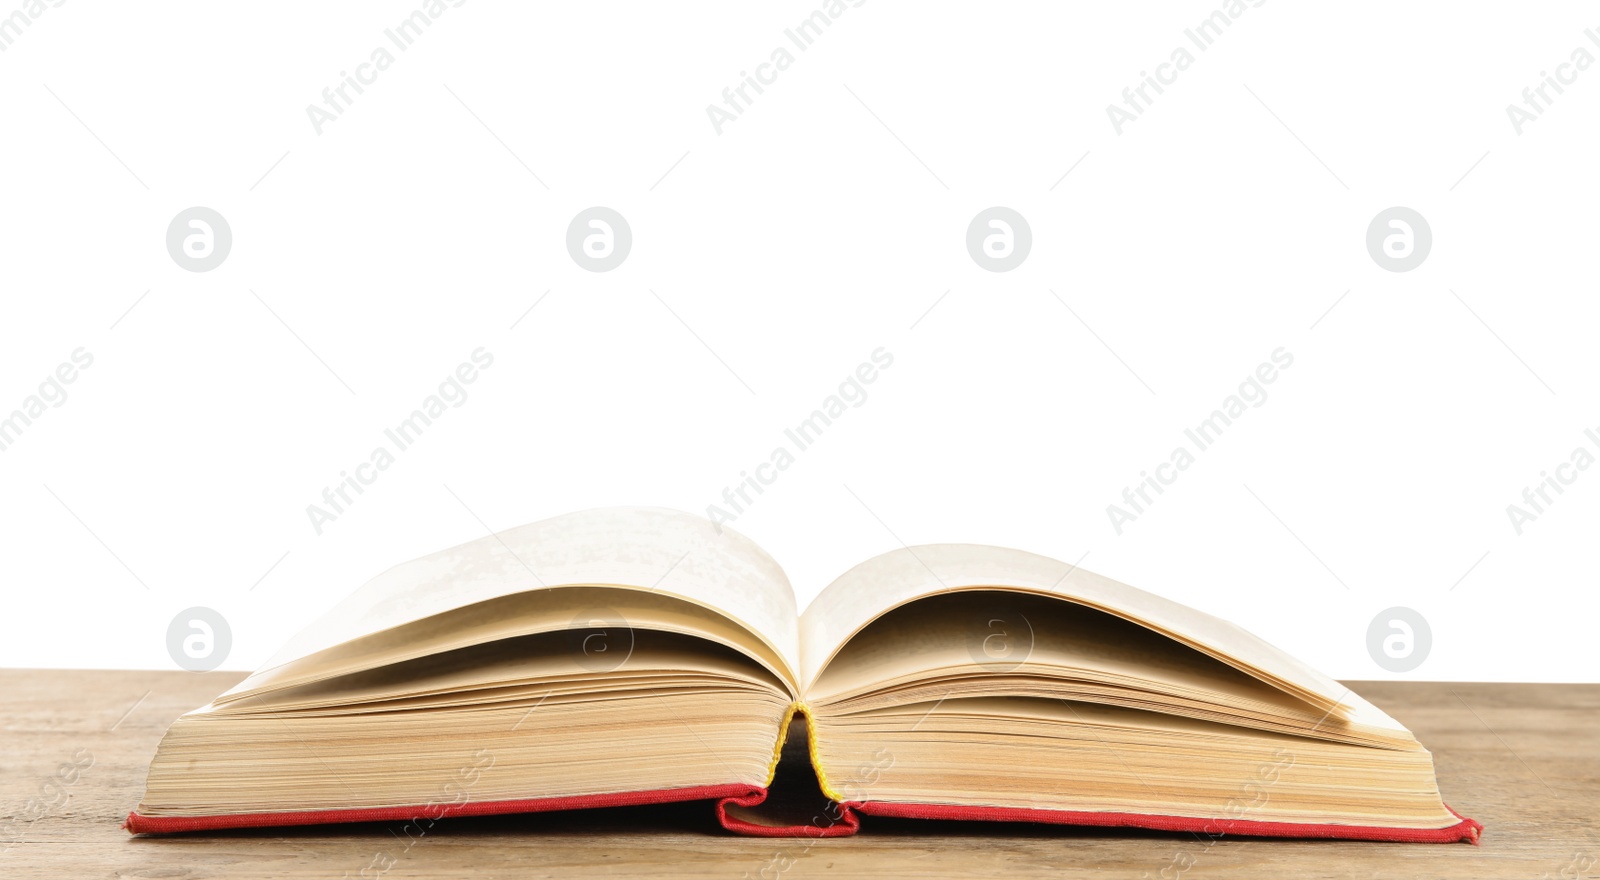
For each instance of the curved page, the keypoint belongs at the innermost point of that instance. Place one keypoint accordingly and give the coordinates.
(888, 581)
(667, 551)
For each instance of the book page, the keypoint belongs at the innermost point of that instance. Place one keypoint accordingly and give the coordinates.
(591, 620)
(667, 551)
(900, 576)
(539, 666)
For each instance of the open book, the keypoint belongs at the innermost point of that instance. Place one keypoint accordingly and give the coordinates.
(632, 656)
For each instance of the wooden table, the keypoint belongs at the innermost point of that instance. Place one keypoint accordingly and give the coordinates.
(1524, 759)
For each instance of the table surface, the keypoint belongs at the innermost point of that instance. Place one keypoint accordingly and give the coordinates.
(1524, 759)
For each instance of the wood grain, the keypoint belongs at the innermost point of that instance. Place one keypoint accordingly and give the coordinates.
(1524, 759)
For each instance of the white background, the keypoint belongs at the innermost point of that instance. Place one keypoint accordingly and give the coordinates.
(1220, 226)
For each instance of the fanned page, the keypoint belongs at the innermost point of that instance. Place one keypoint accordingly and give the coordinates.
(894, 579)
(659, 554)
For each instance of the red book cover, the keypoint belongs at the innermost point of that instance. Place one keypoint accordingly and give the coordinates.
(733, 803)
(138, 824)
